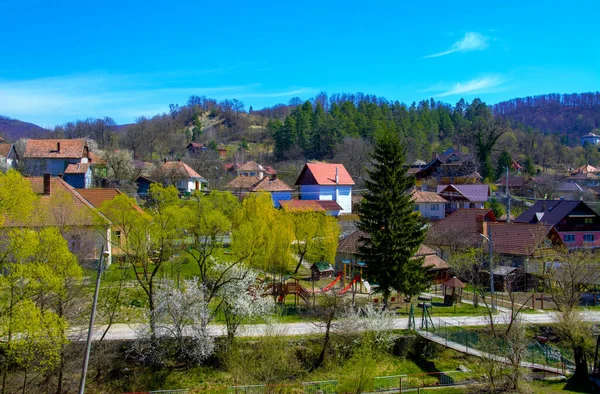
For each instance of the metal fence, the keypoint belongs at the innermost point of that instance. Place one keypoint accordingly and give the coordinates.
(323, 387)
(421, 380)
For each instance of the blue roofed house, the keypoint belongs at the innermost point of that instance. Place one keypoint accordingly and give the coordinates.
(326, 182)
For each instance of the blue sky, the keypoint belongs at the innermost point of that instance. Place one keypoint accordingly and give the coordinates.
(64, 60)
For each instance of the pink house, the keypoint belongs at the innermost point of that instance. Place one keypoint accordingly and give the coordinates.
(577, 223)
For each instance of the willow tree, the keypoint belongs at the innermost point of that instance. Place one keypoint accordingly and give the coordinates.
(393, 230)
(315, 236)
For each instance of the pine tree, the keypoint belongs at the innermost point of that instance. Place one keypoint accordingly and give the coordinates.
(529, 166)
(393, 230)
(505, 160)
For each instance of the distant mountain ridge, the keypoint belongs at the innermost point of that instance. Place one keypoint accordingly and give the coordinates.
(13, 129)
(565, 114)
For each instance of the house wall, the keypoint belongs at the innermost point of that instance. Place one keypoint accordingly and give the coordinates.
(339, 193)
(276, 196)
(38, 167)
(579, 236)
(427, 210)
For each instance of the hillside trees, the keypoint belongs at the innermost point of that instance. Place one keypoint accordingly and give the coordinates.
(393, 230)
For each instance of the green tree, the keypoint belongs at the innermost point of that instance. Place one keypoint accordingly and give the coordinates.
(504, 161)
(393, 230)
(315, 235)
(529, 166)
(495, 206)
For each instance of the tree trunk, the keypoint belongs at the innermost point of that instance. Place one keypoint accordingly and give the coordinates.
(581, 367)
(299, 262)
(326, 340)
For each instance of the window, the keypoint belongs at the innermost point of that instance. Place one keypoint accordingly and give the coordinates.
(589, 221)
(416, 207)
(435, 207)
(588, 237)
(471, 205)
(569, 237)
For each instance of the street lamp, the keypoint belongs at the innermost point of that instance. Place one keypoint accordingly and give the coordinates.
(489, 239)
(88, 345)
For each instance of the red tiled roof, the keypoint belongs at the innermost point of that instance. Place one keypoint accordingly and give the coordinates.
(521, 239)
(514, 181)
(5, 149)
(229, 166)
(324, 174)
(195, 145)
(69, 149)
(583, 176)
(270, 170)
(270, 185)
(95, 159)
(462, 228)
(301, 206)
(419, 196)
(181, 169)
(242, 182)
(98, 196)
(79, 168)
(64, 206)
(329, 205)
(586, 168)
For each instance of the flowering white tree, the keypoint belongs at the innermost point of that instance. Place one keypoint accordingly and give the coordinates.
(377, 323)
(242, 297)
(183, 313)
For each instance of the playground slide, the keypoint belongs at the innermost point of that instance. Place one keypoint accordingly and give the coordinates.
(329, 286)
(349, 285)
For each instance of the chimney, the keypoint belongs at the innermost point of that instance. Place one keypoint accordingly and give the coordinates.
(60, 176)
(337, 179)
(165, 159)
(58, 146)
(484, 228)
(46, 184)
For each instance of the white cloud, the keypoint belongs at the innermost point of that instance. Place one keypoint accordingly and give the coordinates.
(472, 41)
(478, 85)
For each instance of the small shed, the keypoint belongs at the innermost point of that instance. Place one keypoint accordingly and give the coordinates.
(453, 288)
(505, 277)
(320, 270)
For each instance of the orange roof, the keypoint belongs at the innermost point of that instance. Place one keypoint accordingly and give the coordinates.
(301, 206)
(420, 196)
(98, 196)
(323, 174)
(181, 169)
(522, 239)
(5, 149)
(271, 185)
(79, 168)
(95, 159)
(72, 210)
(462, 228)
(56, 149)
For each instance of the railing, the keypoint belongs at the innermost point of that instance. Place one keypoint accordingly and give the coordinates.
(323, 387)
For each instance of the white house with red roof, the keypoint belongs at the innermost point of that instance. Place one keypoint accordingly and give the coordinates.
(326, 182)
(182, 176)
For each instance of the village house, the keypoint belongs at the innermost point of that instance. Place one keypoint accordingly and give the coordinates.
(97, 197)
(53, 156)
(460, 230)
(60, 205)
(8, 157)
(253, 177)
(518, 185)
(452, 166)
(194, 148)
(326, 182)
(577, 223)
(590, 138)
(182, 176)
(78, 175)
(464, 196)
(330, 207)
(429, 204)
(348, 259)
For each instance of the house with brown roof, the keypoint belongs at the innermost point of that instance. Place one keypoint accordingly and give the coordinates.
(326, 182)
(182, 176)
(242, 185)
(460, 230)
(53, 156)
(429, 204)
(452, 166)
(194, 148)
(348, 254)
(60, 205)
(78, 175)
(8, 157)
(330, 207)
(97, 197)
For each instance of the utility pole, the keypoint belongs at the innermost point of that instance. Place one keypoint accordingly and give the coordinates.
(508, 198)
(491, 249)
(88, 344)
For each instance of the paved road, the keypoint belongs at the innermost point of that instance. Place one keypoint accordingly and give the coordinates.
(126, 331)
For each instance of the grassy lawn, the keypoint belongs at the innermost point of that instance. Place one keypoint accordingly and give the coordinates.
(440, 310)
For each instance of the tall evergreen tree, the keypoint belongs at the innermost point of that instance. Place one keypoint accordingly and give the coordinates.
(529, 166)
(504, 161)
(393, 230)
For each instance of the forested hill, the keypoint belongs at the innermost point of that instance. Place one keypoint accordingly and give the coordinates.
(13, 129)
(572, 114)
